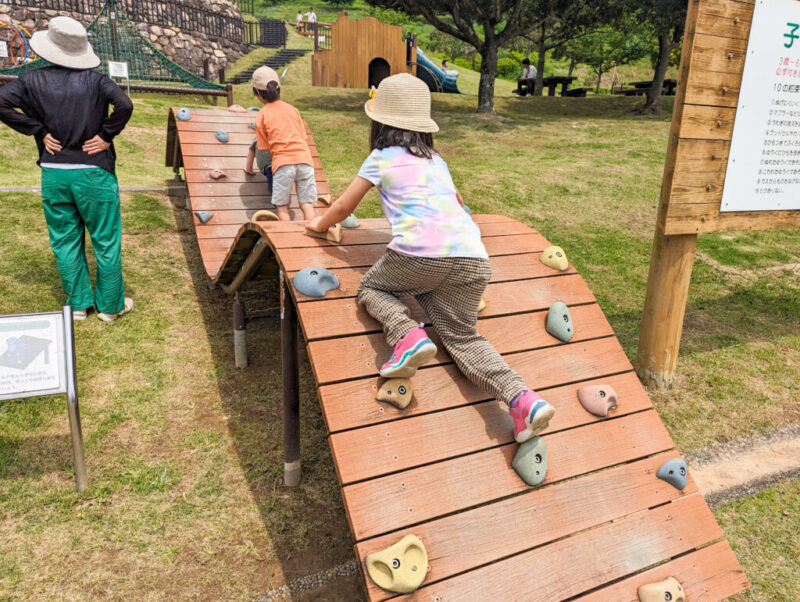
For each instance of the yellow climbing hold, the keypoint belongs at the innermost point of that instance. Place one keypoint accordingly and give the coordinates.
(334, 234)
(396, 391)
(400, 568)
(264, 215)
(669, 589)
(554, 257)
(481, 306)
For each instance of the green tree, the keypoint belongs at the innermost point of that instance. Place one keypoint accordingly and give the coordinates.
(668, 19)
(618, 45)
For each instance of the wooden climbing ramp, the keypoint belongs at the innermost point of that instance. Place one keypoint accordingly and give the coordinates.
(599, 526)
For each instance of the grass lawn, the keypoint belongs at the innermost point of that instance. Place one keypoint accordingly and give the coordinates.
(184, 452)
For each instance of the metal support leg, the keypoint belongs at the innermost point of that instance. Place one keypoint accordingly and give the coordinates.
(81, 478)
(239, 333)
(291, 397)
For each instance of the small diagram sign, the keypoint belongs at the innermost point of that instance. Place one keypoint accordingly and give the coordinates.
(117, 69)
(764, 163)
(32, 360)
(3, 49)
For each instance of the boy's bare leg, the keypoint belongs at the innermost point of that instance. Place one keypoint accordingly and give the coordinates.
(283, 213)
(308, 211)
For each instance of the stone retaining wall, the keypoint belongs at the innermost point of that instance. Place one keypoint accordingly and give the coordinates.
(188, 49)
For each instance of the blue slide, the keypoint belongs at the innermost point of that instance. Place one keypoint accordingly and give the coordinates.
(432, 74)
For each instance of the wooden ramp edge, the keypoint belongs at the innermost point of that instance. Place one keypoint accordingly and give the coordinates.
(598, 527)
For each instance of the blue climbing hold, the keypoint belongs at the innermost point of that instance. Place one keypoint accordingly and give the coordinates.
(204, 216)
(253, 109)
(559, 322)
(674, 472)
(222, 136)
(315, 282)
(184, 114)
(351, 221)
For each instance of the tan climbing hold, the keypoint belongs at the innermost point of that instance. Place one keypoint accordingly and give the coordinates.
(217, 174)
(668, 590)
(324, 198)
(481, 306)
(264, 215)
(237, 109)
(334, 234)
(400, 568)
(554, 257)
(396, 391)
(598, 399)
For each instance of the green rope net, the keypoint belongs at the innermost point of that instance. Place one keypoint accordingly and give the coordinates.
(115, 38)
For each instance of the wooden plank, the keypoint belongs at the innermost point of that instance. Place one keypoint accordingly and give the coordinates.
(340, 256)
(715, 89)
(702, 156)
(579, 563)
(235, 189)
(713, 54)
(210, 137)
(342, 317)
(209, 126)
(706, 575)
(231, 203)
(705, 218)
(220, 161)
(725, 18)
(707, 123)
(352, 404)
(236, 175)
(398, 500)
(461, 542)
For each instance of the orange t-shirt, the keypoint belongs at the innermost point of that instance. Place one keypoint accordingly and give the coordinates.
(281, 130)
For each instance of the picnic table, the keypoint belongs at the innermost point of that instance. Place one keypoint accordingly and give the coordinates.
(668, 89)
(554, 80)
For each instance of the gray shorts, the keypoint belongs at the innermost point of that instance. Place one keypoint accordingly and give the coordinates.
(302, 176)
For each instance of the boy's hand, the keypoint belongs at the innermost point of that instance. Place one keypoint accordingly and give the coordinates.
(314, 224)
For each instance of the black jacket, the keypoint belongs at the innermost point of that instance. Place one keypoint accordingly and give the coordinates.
(71, 105)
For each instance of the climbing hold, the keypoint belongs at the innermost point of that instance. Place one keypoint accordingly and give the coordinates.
(669, 590)
(252, 125)
(530, 461)
(351, 221)
(334, 233)
(468, 210)
(253, 109)
(559, 322)
(222, 136)
(400, 568)
(204, 216)
(598, 399)
(315, 282)
(264, 215)
(217, 174)
(554, 257)
(674, 472)
(481, 306)
(184, 114)
(237, 109)
(396, 391)
(325, 199)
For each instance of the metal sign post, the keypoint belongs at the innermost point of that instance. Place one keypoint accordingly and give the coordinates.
(37, 358)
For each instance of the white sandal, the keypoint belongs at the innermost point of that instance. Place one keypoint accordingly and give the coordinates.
(111, 317)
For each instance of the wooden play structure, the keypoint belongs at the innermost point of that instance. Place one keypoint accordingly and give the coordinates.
(359, 54)
(599, 526)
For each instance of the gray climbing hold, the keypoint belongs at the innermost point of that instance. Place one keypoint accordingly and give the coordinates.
(468, 210)
(184, 114)
(253, 109)
(530, 461)
(315, 282)
(351, 221)
(252, 125)
(559, 322)
(674, 472)
(222, 136)
(204, 216)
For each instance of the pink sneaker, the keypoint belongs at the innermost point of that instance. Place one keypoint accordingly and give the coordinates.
(410, 352)
(531, 415)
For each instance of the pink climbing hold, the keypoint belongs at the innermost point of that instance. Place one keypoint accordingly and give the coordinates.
(217, 174)
(598, 399)
(237, 109)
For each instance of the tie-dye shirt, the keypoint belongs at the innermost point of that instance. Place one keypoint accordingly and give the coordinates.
(419, 200)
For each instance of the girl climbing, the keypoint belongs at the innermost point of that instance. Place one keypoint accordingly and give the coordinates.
(436, 254)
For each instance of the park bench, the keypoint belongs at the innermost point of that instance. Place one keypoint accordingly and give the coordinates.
(601, 524)
(641, 88)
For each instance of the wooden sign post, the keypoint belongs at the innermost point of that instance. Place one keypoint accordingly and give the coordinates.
(733, 160)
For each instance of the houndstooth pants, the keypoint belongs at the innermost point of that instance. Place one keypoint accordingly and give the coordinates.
(449, 289)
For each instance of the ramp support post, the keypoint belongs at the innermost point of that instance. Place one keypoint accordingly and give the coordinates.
(239, 332)
(291, 396)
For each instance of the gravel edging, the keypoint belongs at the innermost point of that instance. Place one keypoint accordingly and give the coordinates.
(729, 449)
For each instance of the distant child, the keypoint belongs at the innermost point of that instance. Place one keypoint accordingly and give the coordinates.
(280, 131)
(262, 159)
(436, 254)
(299, 19)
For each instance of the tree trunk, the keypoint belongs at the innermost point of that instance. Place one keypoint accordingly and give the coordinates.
(488, 75)
(665, 45)
(572, 64)
(542, 50)
(599, 80)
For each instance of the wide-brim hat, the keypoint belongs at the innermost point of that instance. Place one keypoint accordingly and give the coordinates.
(403, 101)
(65, 43)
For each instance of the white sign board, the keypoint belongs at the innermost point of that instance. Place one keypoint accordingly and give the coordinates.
(3, 49)
(116, 69)
(764, 162)
(32, 356)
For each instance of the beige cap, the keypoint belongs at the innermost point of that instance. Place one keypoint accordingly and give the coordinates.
(403, 101)
(263, 75)
(65, 43)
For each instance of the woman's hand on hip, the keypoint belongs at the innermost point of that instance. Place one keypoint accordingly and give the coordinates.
(95, 145)
(51, 145)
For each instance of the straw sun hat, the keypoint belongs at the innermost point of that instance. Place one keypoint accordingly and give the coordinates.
(65, 43)
(403, 101)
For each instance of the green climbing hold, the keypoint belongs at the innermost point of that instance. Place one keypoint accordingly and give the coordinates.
(559, 322)
(530, 461)
(351, 221)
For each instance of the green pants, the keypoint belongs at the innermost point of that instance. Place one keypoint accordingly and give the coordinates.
(75, 199)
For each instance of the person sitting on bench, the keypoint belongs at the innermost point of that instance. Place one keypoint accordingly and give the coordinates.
(528, 79)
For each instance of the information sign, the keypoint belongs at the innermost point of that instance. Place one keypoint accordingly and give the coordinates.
(3, 49)
(32, 359)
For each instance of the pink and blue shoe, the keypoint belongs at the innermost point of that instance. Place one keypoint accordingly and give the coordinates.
(410, 352)
(531, 415)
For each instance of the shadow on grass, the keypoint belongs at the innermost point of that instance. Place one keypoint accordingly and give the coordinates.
(31, 457)
(306, 525)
